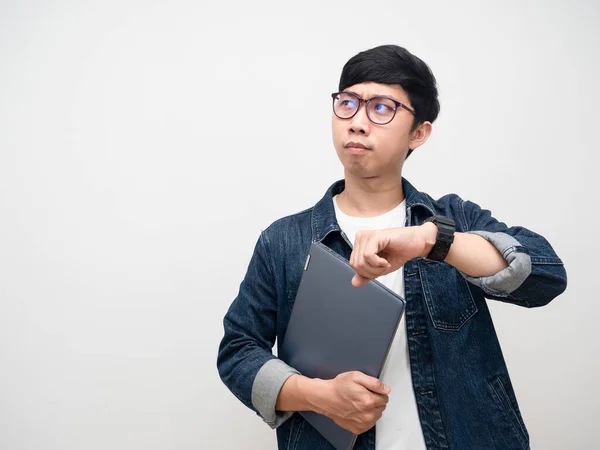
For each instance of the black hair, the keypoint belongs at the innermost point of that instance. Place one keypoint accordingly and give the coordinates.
(392, 64)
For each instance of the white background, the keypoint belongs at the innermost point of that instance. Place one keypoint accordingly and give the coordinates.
(144, 145)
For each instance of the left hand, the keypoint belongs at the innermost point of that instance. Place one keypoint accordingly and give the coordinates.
(380, 252)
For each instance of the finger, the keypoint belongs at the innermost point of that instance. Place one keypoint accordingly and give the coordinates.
(355, 263)
(373, 265)
(355, 248)
(377, 412)
(366, 271)
(376, 261)
(372, 247)
(371, 383)
(364, 259)
(370, 262)
(366, 262)
(359, 280)
(358, 249)
(380, 400)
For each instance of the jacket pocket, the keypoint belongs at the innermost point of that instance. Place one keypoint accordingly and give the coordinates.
(511, 413)
(447, 295)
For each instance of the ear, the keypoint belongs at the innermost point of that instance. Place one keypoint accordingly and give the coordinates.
(420, 135)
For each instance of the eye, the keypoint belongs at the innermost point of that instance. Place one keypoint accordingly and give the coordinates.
(348, 103)
(382, 108)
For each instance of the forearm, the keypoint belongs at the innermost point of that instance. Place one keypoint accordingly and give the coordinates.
(469, 253)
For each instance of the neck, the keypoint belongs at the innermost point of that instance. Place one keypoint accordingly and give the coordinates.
(370, 197)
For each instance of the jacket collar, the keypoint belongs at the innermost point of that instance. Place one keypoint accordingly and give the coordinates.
(323, 214)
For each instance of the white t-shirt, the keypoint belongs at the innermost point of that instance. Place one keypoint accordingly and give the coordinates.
(399, 427)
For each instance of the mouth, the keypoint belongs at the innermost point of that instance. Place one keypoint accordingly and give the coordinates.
(356, 148)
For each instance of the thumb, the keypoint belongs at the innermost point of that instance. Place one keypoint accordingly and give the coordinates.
(371, 383)
(359, 280)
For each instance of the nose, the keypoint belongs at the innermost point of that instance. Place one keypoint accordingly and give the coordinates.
(360, 123)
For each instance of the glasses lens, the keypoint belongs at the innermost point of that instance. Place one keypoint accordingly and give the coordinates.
(381, 110)
(345, 105)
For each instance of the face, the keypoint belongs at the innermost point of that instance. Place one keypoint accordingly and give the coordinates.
(386, 145)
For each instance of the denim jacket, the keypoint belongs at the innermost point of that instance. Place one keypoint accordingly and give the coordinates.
(462, 387)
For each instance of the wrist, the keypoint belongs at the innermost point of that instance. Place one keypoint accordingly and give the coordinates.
(303, 394)
(428, 233)
(316, 394)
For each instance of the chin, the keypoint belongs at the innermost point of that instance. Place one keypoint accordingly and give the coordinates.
(354, 166)
(358, 170)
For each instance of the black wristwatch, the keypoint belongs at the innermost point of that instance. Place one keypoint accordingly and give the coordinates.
(444, 239)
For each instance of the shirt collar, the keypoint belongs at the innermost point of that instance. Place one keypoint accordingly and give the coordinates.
(323, 214)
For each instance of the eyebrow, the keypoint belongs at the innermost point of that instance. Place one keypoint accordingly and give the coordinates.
(376, 95)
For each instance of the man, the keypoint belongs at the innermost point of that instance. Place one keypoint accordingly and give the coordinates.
(445, 383)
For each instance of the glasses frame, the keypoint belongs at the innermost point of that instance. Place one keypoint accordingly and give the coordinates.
(366, 102)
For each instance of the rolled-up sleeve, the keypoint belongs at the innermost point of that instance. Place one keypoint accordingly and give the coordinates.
(245, 361)
(534, 275)
(509, 279)
(265, 390)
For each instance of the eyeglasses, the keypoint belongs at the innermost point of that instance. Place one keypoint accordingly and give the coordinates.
(380, 110)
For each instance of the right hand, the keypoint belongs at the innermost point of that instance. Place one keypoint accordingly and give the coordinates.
(355, 401)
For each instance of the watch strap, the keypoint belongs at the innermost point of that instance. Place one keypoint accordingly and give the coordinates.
(444, 239)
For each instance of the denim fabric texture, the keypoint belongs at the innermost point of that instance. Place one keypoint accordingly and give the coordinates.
(463, 390)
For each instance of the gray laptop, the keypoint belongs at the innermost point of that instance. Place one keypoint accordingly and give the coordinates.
(335, 327)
